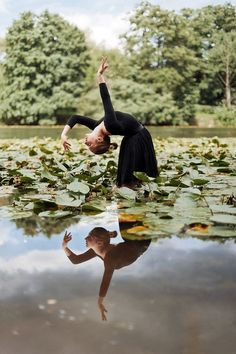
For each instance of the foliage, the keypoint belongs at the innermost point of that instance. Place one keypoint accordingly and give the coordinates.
(192, 195)
(222, 58)
(169, 63)
(226, 116)
(161, 44)
(142, 101)
(45, 63)
(208, 22)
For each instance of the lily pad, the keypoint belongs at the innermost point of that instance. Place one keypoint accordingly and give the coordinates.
(224, 219)
(126, 193)
(223, 209)
(67, 201)
(79, 187)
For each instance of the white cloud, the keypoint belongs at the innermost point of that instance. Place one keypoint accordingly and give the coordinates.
(102, 28)
(3, 5)
(7, 235)
(39, 261)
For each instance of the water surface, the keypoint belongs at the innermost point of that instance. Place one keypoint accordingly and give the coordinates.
(22, 132)
(178, 297)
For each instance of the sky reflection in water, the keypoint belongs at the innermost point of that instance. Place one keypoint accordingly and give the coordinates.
(177, 297)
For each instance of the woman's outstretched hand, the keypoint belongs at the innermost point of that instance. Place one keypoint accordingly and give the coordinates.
(102, 308)
(103, 66)
(65, 143)
(67, 238)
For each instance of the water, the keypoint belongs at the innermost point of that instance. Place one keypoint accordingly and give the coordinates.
(78, 132)
(179, 296)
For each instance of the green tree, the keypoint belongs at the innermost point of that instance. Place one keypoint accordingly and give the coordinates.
(45, 65)
(208, 22)
(222, 58)
(2, 53)
(89, 103)
(161, 44)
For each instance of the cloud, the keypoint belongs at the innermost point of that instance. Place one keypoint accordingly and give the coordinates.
(102, 28)
(7, 234)
(39, 261)
(3, 5)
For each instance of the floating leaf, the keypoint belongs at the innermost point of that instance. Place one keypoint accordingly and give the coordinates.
(45, 150)
(123, 217)
(224, 209)
(126, 193)
(67, 200)
(93, 208)
(192, 191)
(79, 187)
(200, 182)
(196, 227)
(224, 219)
(224, 170)
(143, 177)
(45, 174)
(136, 229)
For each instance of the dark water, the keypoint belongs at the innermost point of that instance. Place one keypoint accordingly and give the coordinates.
(78, 132)
(179, 296)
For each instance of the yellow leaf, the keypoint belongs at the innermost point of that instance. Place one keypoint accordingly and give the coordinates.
(123, 217)
(135, 229)
(199, 227)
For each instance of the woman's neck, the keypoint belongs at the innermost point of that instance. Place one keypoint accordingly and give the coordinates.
(102, 129)
(102, 251)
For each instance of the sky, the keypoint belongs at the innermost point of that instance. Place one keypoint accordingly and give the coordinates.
(104, 20)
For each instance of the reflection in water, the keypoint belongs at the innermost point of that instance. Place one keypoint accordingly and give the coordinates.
(178, 298)
(114, 256)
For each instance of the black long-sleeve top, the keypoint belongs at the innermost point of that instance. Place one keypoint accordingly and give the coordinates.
(116, 122)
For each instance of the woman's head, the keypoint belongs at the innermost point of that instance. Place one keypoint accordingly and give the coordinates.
(98, 144)
(99, 236)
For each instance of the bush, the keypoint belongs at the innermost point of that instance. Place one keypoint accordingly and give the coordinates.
(226, 116)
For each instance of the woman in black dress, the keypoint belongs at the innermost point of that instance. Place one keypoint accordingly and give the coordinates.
(136, 150)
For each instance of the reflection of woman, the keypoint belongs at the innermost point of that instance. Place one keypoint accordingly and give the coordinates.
(136, 151)
(114, 256)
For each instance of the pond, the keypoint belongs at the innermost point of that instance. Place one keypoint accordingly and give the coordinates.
(163, 256)
(173, 295)
(22, 132)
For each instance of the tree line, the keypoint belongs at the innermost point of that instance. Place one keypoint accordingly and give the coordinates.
(169, 62)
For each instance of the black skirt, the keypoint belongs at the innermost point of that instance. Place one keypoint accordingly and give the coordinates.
(137, 154)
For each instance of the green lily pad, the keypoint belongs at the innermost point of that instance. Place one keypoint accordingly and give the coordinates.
(223, 209)
(92, 208)
(67, 201)
(143, 177)
(126, 193)
(224, 219)
(79, 187)
(200, 182)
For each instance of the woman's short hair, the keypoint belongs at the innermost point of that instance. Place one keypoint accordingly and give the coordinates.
(104, 146)
(102, 233)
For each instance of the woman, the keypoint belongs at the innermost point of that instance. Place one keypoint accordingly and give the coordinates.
(136, 151)
(114, 256)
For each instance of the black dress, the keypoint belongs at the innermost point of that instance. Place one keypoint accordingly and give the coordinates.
(136, 150)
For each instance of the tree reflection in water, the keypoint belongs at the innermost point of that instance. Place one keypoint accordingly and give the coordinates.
(114, 256)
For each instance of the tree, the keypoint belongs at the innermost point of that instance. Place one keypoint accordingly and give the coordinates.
(2, 53)
(208, 22)
(222, 58)
(161, 44)
(45, 65)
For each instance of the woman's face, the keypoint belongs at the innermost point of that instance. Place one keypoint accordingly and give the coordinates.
(92, 140)
(93, 241)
